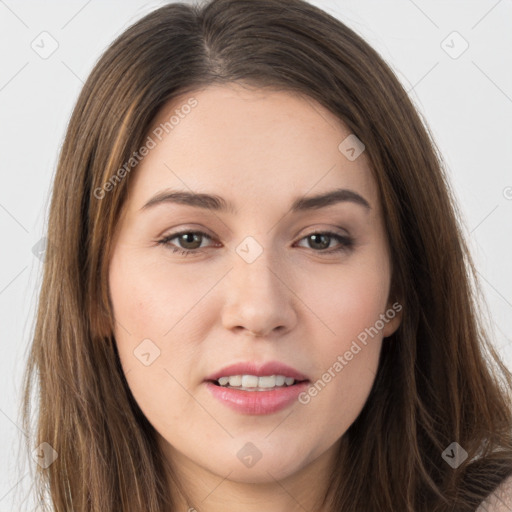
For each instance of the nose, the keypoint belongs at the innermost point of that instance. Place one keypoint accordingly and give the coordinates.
(259, 300)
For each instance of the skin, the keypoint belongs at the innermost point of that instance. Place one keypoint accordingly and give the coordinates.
(295, 303)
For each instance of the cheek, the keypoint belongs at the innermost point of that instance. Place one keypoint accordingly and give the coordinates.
(147, 299)
(348, 341)
(347, 299)
(153, 310)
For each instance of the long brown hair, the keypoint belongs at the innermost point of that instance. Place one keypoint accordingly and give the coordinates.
(439, 380)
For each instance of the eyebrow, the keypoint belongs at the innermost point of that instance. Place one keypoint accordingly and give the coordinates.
(217, 203)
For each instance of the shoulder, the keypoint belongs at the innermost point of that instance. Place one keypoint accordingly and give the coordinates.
(500, 500)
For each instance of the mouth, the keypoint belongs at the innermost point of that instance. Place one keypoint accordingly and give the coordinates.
(249, 388)
(250, 383)
(250, 376)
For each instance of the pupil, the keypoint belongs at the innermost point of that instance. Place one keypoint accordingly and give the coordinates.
(186, 240)
(324, 238)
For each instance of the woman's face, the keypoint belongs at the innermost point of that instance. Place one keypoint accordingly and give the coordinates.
(262, 287)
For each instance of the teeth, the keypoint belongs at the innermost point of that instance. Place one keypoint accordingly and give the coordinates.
(266, 382)
(248, 381)
(252, 381)
(280, 380)
(235, 380)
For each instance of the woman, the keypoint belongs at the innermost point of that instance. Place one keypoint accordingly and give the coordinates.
(259, 296)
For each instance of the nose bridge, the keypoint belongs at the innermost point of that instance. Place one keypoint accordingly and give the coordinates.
(257, 298)
(254, 273)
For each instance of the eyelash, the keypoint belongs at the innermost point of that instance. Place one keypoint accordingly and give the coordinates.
(346, 242)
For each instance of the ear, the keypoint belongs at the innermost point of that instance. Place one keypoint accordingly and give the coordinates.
(393, 315)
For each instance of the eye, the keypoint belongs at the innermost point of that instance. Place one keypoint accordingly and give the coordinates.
(322, 240)
(188, 239)
(190, 242)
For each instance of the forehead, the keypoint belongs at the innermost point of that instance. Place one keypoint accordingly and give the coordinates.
(241, 142)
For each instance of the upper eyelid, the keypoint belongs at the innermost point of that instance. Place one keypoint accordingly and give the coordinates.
(171, 236)
(333, 225)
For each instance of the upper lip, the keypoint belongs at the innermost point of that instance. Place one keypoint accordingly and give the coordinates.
(259, 370)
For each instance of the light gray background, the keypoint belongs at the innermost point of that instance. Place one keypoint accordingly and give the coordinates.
(466, 101)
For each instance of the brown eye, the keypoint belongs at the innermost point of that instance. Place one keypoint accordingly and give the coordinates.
(188, 242)
(321, 242)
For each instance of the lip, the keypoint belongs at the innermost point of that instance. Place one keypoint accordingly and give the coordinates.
(259, 370)
(257, 402)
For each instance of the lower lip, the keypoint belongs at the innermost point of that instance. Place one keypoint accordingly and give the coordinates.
(257, 402)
